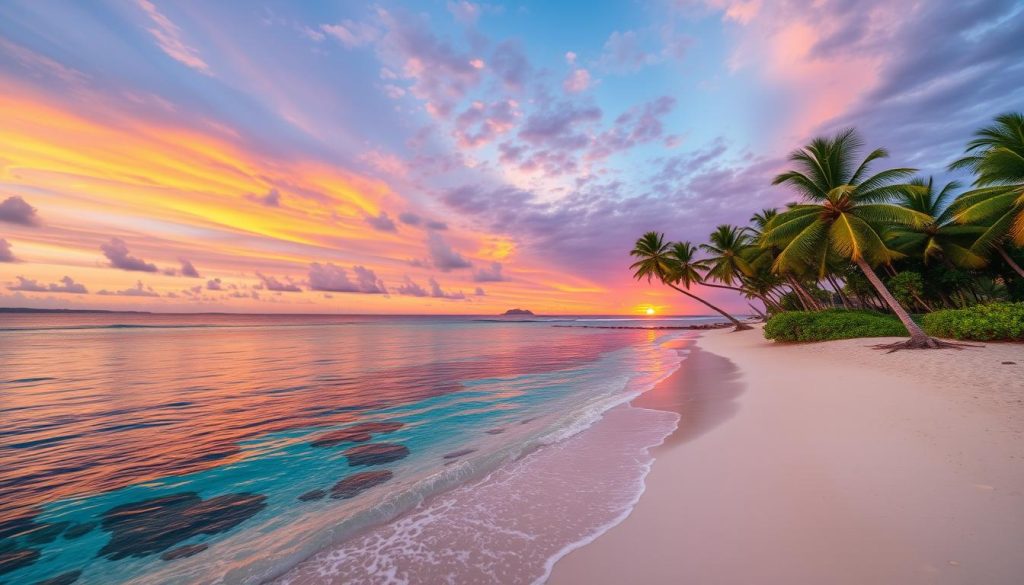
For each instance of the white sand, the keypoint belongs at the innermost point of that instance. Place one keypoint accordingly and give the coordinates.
(828, 463)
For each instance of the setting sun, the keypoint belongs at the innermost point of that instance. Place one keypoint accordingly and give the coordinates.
(650, 310)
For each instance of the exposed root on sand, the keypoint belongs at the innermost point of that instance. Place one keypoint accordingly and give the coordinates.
(922, 343)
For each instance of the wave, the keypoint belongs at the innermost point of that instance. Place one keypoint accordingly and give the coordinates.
(434, 494)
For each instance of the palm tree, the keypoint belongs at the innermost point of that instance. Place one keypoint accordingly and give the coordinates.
(672, 264)
(941, 238)
(996, 156)
(845, 215)
(730, 251)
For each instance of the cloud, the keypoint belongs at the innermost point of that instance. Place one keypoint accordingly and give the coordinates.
(139, 290)
(435, 225)
(463, 11)
(509, 63)
(442, 256)
(66, 285)
(491, 274)
(623, 52)
(479, 292)
(441, 74)
(271, 198)
(560, 126)
(117, 252)
(410, 218)
(187, 269)
(6, 255)
(411, 289)
(380, 222)
(271, 283)
(481, 123)
(352, 34)
(638, 125)
(169, 38)
(330, 278)
(16, 210)
(213, 284)
(578, 80)
(438, 293)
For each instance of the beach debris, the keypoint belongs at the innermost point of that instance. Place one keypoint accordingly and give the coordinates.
(78, 530)
(147, 527)
(354, 485)
(459, 453)
(62, 579)
(376, 454)
(359, 433)
(1009, 363)
(16, 558)
(313, 495)
(184, 551)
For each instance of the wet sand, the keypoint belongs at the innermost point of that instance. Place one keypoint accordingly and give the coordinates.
(827, 463)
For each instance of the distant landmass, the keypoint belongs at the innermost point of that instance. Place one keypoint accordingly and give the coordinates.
(518, 312)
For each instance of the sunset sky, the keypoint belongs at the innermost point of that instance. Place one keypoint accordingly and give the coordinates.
(443, 157)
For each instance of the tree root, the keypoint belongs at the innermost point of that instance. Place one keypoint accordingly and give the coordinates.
(742, 327)
(925, 343)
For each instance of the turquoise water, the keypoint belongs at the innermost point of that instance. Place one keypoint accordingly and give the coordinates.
(181, 449)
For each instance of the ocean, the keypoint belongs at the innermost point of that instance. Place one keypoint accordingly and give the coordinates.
(145, 448)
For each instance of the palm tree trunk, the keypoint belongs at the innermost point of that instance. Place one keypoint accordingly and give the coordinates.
(917, 335)
(739, 326)
(739, 290)
(1016, 267)
(760, 315)
(806, 299)
(838, 291)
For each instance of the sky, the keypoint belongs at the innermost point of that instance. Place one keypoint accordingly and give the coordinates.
(444, 156)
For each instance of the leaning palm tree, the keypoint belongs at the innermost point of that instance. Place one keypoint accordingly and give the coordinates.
(730, 251)
(672, 264)
(844, 215)
(941, 238)
(996, 156)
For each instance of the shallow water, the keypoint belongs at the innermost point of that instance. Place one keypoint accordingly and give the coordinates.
(180, 449)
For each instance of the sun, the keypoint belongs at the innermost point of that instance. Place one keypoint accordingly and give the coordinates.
(650, 310)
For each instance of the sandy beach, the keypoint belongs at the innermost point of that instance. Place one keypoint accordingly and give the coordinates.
(827, 463)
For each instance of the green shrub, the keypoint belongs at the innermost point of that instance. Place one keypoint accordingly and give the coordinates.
(832, 324)
(994, 322)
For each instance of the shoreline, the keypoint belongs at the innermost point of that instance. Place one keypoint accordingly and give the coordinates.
(829, 463)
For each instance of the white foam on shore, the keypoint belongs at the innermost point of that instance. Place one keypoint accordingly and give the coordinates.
(514, 524)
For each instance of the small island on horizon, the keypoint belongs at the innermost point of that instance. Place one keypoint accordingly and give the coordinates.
(513, 312)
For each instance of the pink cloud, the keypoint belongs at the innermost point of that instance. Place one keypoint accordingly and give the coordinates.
(169, 38)
(577, 81)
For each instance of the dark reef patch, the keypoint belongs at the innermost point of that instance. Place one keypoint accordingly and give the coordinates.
(13, 558)
(312, 495)
(356, 434)
(46, 533)
(376, 454)
(494, 431)
(79, 530)
(62, 579)
(354, 485)
(183, 552)
(144, 528)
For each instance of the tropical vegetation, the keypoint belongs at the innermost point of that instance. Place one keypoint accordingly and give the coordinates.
(863, 249)
(831, 324)
(991, 322)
